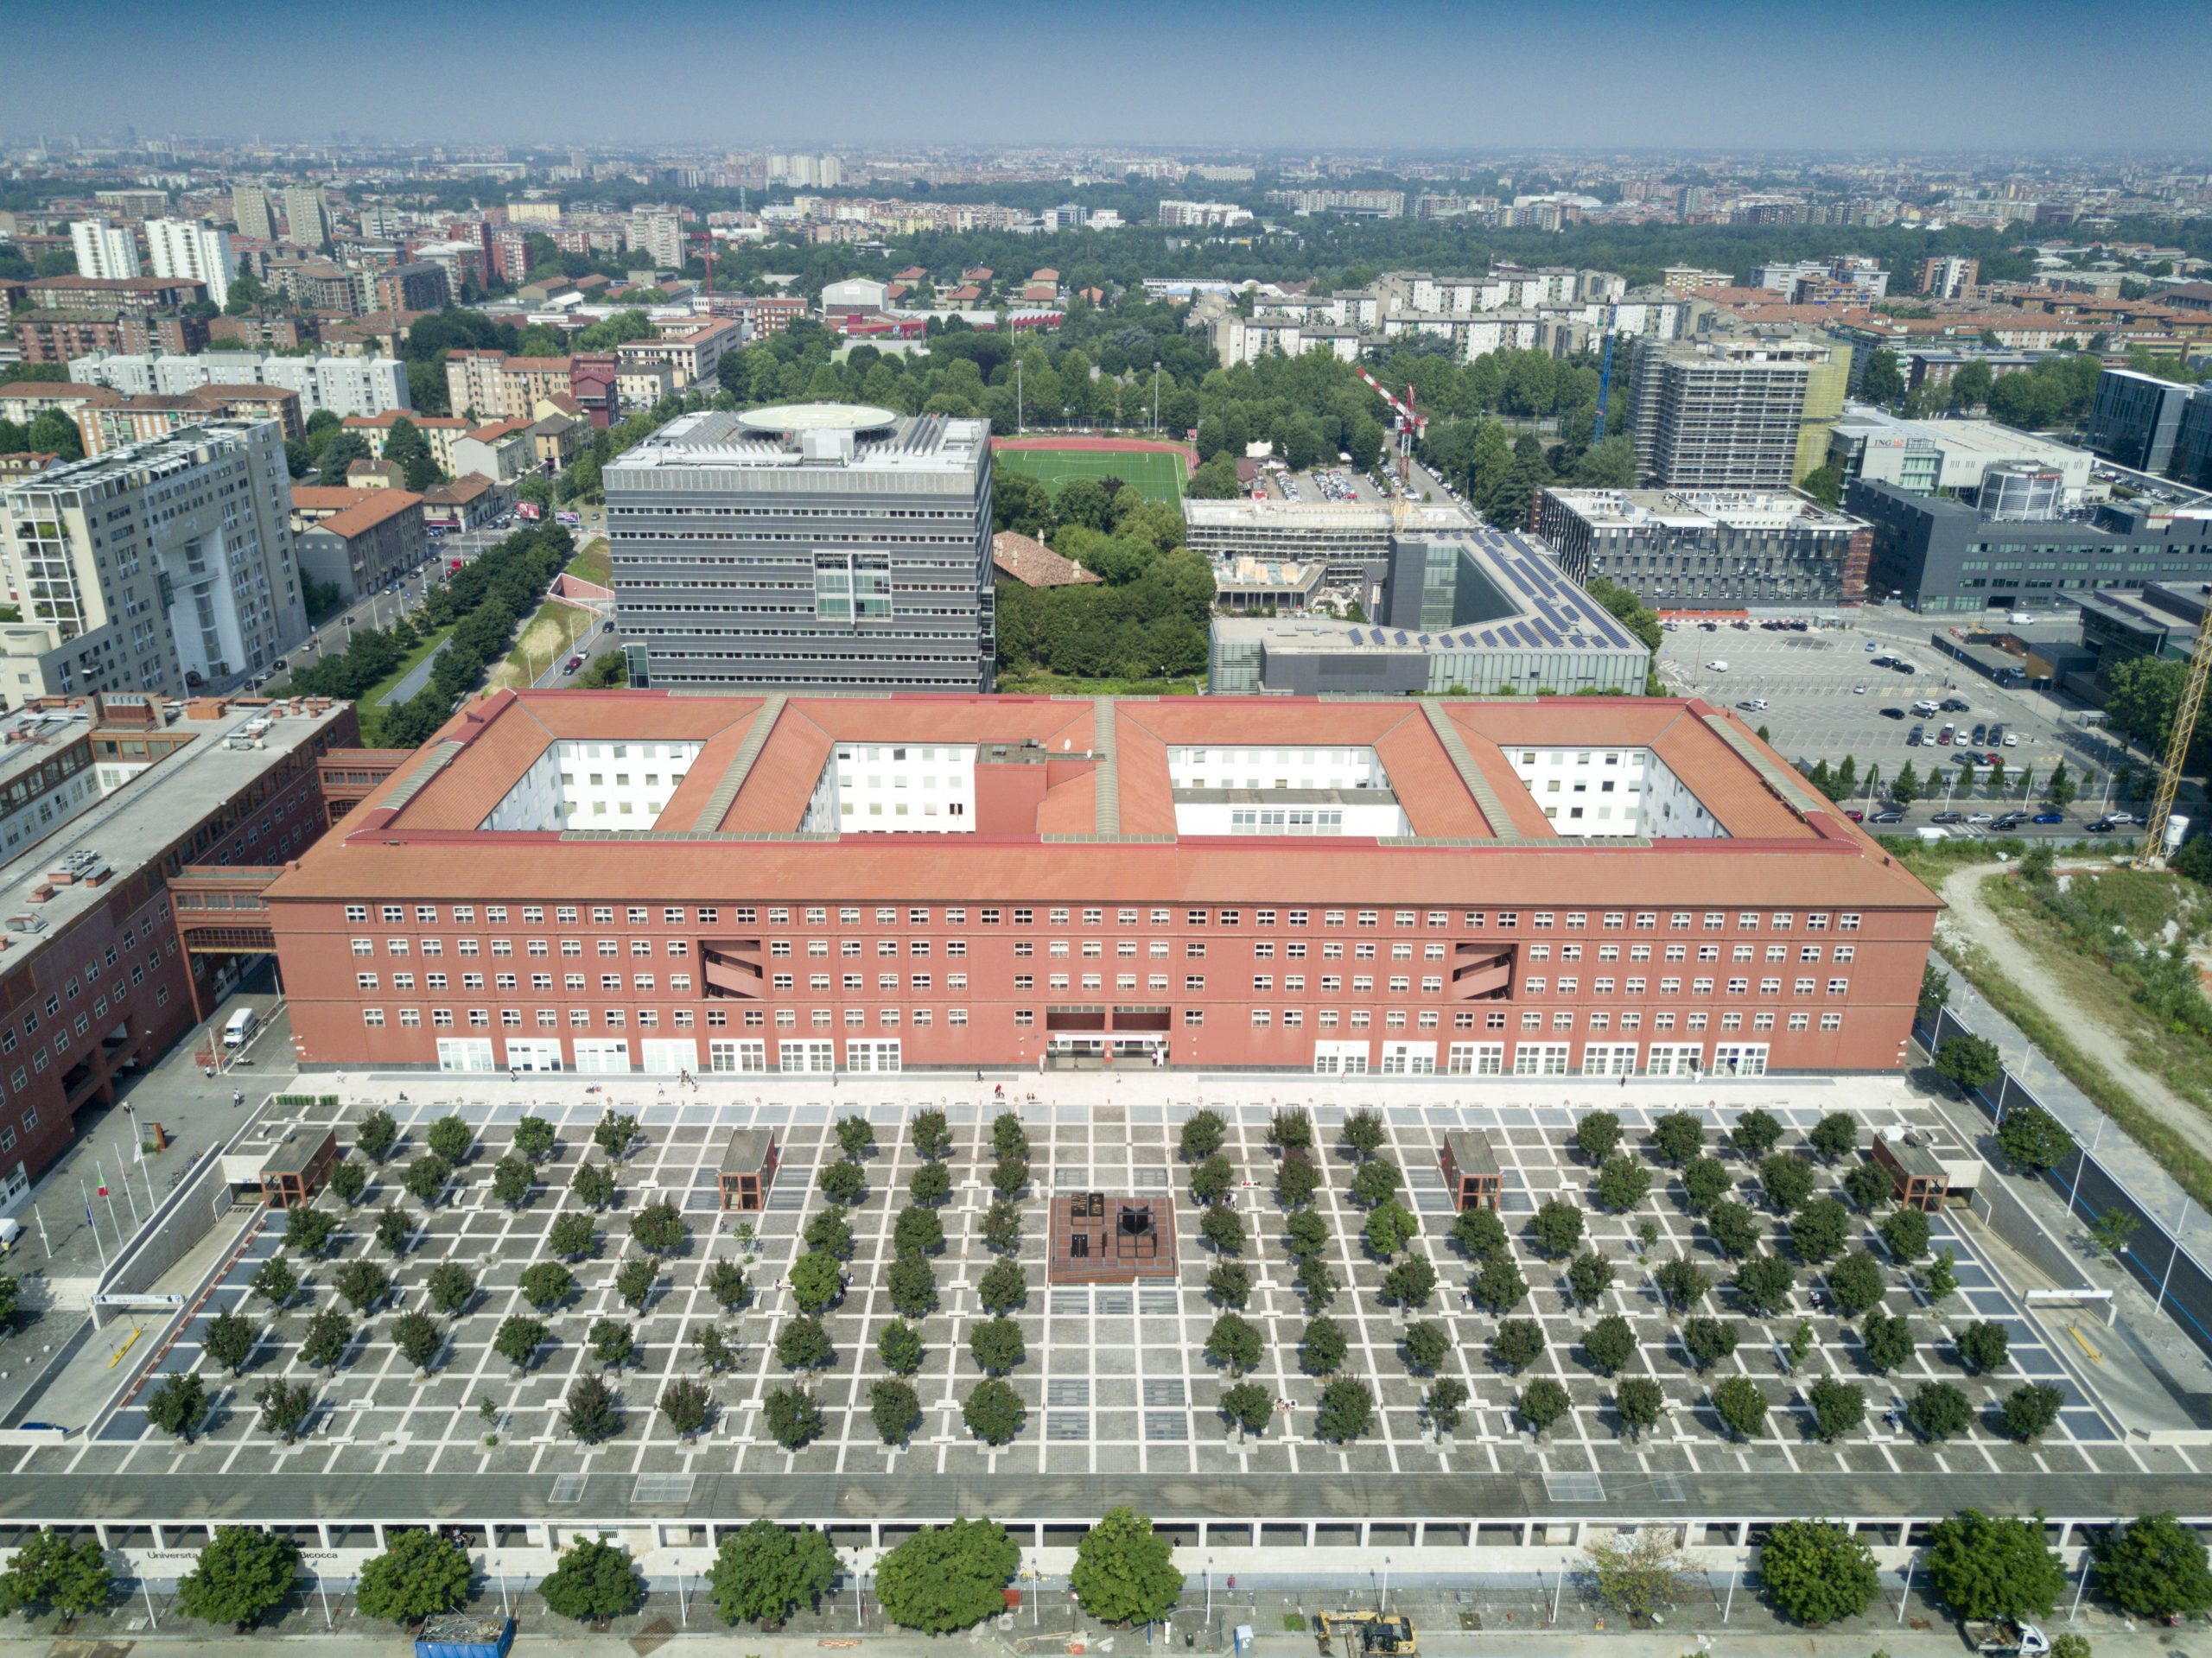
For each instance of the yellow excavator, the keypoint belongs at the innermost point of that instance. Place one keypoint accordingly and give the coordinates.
(1367, 1635)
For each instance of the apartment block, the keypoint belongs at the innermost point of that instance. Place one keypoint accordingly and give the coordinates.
(103, 250)
(1708, 549)
(1725, 413)
(195, 251)
(159, 567)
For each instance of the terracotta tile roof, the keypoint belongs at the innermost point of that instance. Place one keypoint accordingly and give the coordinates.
(382, 503)
(498, 430)
(420, 423)
(322, 497)
(1033, 564)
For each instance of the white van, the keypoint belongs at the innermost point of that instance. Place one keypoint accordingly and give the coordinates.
(243, 1023)
(1718, 665)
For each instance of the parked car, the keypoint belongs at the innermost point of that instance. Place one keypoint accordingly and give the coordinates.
(572, 664)
(1753, 704)
(1893, 714)
(1858, 690)
(1981, 817)
(1980, 736)
(1943, 737)
(1957, 705)
(2012, 739)
(2102, 826)
(1887, 815)
(1949, 817)
(2120, 820)
(1855, 814)
(2008, 823)
(2049, 818)
(1719, 665)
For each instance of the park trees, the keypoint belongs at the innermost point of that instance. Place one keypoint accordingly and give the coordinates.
(1124, 1571)
(947, 1577)
(1991, 1566)
(419, 1574)
(793, 1419)
(2154, 1567)
(763, 1571)
(1817, 1573)
(993, 1411)
(593, 1580)
(242, 1575)
(895, 1409)
(1838, 1407)
(50, 1571)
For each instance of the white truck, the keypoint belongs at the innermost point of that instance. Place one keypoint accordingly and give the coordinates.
(2002, 1636)
(240, 1028)
(1932, 835)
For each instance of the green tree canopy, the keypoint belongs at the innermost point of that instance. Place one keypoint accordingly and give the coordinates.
(1124, 1571)
(947, 1577)
(764, 1572)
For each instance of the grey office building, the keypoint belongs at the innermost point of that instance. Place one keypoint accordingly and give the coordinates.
(2136, 417)
(1938, 555)
(810, 547)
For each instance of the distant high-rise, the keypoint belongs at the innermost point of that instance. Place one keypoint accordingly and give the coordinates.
(253, 213)
(306, 216)
(1724, 413)
(1948, 277)
(192, 248)
(102, 250)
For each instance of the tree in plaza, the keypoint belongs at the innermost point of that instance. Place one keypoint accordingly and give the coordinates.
(1248, 1406)
(803, 1344)
(726, 1282)
(1345, 1410)
(1410, 1283)
(592, 1411)
(546, 1284)
(594, 1184)
(1362, 1133)
(1589, 1275)
(1201, 1137)
(52, 1572)
(1004, 1287)
(276, 1282)
(1557, 1227)
(1868, 1184)
(1705, 1181)
(1516, 1343)
(842, 1182)
(1838, 1407)
(1755, 1134)
(1905, 1232)
(1937, 1410)
(362, 1282)
(1708, 1340)
(612, 1343)
(854, 1136)
(689, 1404)
(450, 1287)
(1542, 1402)
(1682, 1281)
(793, 1419)
(326, 1338)
(1427, 1344)
(1498, 1288)
(1223, 1229)
(717, 1352)
(1641, 1574)
(1609, 1344)
(1009, 1175)
(534, 1139)
(901, 1347)
(377, 1135)
(1125, 1572)
(518, 1339)
(1322, 1347)
(910, 1283)
(659, 1229)
(1788, 1180)
(1373, 1182)
(1677, 1137)
(1229, 1282)
(573, 1237)
(308, 1229)
(177, 1404)
(1817, 1573)
(1234, 1344)
(1390, 1227)
(997, 1346)
(1834, 1135)
(1001, 1228)
(1819, 1229)
(817, 1279)
(1596, 1135)
(1940, 1280)
(1296, 1181)
(634, 1279)
(1740, 1406)
(1623, 1182)
(2028, 1411)
(1763, 1284)
(229, 1340)
(243, 1574)
(1734, 1230)
(615, 1133)
(1982, 1345)
(1442, 1404)
(349, 1180)
(419, 1575)
(918, 1231)
(947, 1577)
(394, 1230)
(426, 1179)
(1887, 1340)
(1290, 1129)
(1857, 1283)
(930, 1134)
(593, 1580)
(994, 1413)
(1992, 1566)
(416, 1335)
(895, 1410)
(2035, 1141)
(449, 1137)
(285, 1407)
(1971, 1062)
(1306, 1234)
(1479, 1232)
(511, 1178)
(1638, 1401)
(929, 1184)
(764, 1572)
(2154, 1567)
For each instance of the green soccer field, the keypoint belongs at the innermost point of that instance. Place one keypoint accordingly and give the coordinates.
(1158, 477)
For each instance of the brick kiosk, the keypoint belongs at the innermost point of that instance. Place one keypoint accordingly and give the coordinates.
(627, 881)
(748, 1168)
(1470, 1169)
(295, 1171)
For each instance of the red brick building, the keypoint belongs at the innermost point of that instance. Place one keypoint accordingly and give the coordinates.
(626, 879)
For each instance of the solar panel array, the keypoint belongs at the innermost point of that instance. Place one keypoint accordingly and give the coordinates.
(1556, 614)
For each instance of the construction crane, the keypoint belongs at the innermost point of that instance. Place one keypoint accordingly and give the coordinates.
(1411, 425)
(707, 254)
(2152, 852)
(1606, 373)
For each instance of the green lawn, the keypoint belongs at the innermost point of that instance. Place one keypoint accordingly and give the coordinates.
(590, 563)
(1157, 476)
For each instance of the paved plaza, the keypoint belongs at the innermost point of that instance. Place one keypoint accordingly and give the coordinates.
(1115, 1381)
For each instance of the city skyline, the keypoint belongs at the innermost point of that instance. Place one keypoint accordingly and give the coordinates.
(1429, 77)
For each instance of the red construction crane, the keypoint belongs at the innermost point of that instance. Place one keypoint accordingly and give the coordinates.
(1410, 424)
(707, 236)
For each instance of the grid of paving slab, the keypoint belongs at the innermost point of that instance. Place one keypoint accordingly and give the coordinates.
(1116, 1380)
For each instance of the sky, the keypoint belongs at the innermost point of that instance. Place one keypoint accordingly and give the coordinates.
(2051, 76)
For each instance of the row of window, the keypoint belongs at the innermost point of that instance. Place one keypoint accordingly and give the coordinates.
(673, 915)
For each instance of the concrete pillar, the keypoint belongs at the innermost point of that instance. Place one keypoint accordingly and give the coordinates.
(99, 1534)
(1366, 1532)
(1309, 1533)
(1743, 1532)
(1528, 1533)
(2065, 1534)
(322, 1535)
(378, 1530)
(1421, 1532)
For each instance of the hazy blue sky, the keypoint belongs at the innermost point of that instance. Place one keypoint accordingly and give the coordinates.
(2057, 74)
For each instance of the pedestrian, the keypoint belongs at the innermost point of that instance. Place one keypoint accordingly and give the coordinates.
(237, 1097)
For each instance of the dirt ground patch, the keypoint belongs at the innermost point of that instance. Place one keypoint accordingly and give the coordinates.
(552, 632)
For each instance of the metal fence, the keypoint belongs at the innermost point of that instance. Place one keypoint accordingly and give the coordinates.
(2157, 1252)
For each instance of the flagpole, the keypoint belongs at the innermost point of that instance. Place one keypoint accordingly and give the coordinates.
(92, 1224)
(110, 1196)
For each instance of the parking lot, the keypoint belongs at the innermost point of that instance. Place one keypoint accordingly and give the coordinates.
(1115, 1381)
(1816, 711)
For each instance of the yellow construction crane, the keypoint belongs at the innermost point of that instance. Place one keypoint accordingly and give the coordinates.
(2152, 852)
